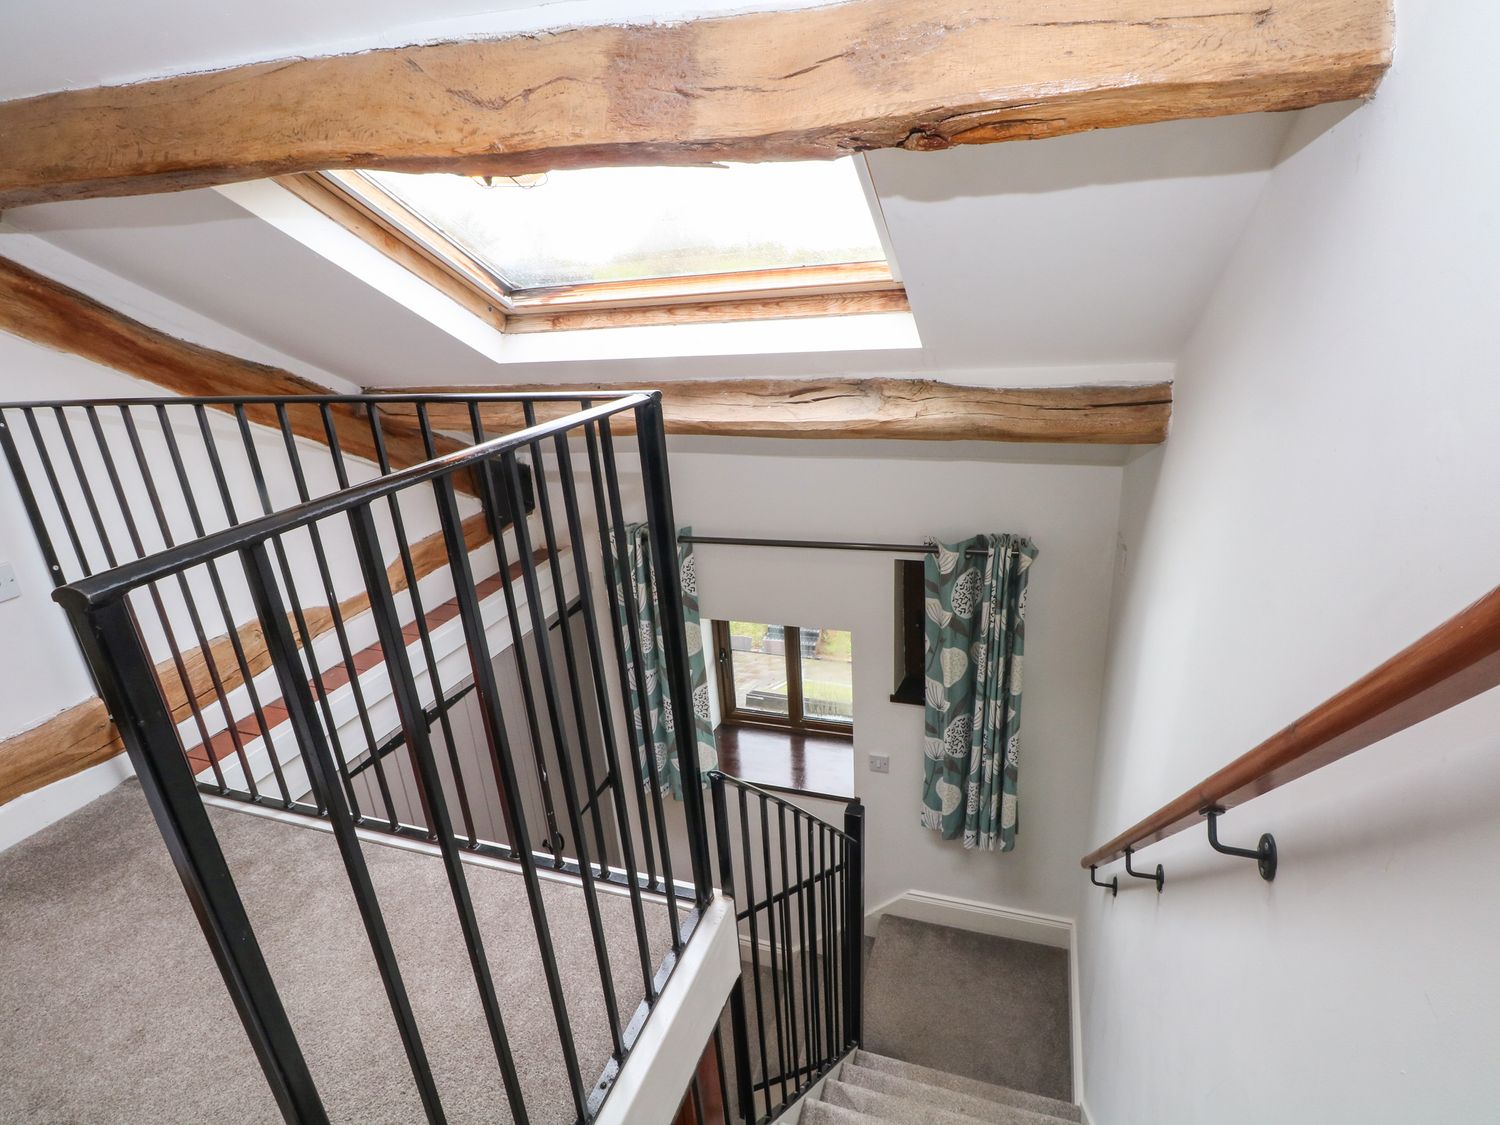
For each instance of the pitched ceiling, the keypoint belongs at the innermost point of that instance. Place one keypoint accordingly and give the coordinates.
(1094, 249)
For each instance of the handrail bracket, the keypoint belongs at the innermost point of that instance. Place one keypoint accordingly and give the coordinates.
(1159, 878)
(1113, 886)
(1264, 854)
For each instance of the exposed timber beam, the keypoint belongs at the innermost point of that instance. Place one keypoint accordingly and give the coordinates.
(785, 85)
(912, 409)
(46, 312)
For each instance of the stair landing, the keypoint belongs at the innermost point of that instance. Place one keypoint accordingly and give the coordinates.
(991, 1008)
(115, 1010)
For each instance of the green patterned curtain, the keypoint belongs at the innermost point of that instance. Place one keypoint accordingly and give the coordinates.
(640, 586)
(976, 611)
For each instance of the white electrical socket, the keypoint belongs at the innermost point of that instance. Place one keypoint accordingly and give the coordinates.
(9, 587)
(880, 763)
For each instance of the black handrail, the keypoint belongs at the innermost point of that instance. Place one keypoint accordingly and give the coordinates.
(291, 565)
(111, 584)
(802, 916)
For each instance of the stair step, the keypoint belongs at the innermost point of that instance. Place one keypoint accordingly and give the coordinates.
(821, 1113)
(887, 1107)
(971, 1087)
(953, 1101)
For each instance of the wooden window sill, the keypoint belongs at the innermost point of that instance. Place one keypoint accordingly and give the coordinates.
(815, 765)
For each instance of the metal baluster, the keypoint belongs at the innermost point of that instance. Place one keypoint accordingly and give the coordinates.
(491, 505)
(33, 509)
(82, 477)
(331, 595)
(28, 501)
(854, 883)
(739, 1028)
(304, 633)
(770, 905)
(786, 941)
(606, 727)
(178, 662)
(751, 908)
(63, 508)
(231, 628)
(570, 659)
(651, 436)
(804, 936)
(194, 618)
(482, 663)
(830, 957)
(633, 645)
(325, 779)
(611, 571)
(565, 770)
(813, 945)
(719, 1060)
(121, 666)
(424, 634)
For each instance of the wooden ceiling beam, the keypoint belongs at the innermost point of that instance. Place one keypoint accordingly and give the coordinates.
(786, 85)
(840, 407)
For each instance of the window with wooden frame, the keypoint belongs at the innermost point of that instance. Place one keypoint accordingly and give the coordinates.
(612, 247)
(799, 678)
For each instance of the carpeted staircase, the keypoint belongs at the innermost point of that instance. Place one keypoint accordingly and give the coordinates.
(1018, 1073)
(872, 1089)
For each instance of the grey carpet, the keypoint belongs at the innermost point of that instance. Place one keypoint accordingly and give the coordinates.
(884, 1107)
(821, 1113)
(112, 1010)
(969, 1089)
(941, 1097)
(982, 1007)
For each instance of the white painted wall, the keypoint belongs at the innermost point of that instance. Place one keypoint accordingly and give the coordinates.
(41, 671)
(1328, 495)
(45, 674)
(1068, 509)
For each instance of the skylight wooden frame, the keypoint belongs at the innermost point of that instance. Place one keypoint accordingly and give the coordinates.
(379, 218)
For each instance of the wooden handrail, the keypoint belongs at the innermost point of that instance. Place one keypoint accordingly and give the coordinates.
(1456, 661)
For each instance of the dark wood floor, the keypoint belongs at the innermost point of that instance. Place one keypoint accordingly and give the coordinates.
(809, 763)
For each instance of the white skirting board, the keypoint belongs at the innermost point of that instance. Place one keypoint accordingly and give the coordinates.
(978, 917)
(997, 921)
(31, 812)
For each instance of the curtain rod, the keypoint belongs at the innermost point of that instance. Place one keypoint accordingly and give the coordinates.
(824, 545)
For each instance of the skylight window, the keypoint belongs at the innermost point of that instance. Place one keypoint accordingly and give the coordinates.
(604, 225)
(611, 247)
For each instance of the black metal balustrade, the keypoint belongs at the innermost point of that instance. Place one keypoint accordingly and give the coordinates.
(798, 886)
(163, 520)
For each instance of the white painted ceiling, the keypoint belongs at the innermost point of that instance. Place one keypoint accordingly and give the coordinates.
(1083, 258)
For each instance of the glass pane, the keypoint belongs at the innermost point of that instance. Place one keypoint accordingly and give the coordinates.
(757, 653)
(632, 224)
(827, 675)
